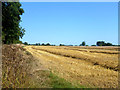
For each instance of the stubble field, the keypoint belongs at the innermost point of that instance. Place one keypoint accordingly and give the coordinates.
(87, 66)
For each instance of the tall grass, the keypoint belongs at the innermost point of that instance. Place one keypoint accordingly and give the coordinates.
(15, 67)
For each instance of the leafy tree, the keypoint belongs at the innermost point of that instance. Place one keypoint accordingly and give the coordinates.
(20, 42)
(108, 44)
(61, 45)
(36, 44)
(25, 43)
(100, 43)
(43, 44)
(83, 43)
(11, 30)
(47, 44)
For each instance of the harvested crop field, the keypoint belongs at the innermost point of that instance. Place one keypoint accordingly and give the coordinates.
(59, 67)
(95, 67)
(20, 69)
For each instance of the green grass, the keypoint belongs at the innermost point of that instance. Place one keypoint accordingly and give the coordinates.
(58, 82)
(51, 81)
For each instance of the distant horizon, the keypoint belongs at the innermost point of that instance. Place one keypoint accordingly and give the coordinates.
(67, 44)
(70, 23)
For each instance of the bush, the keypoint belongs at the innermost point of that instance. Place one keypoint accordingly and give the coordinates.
(25, 43)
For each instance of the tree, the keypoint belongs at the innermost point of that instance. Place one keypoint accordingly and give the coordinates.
(47, 44)
(20, 42)
(108, 44)
(100, 43)
(83, 43)
(25, 43)
(43, 44)
(61, 45)
(36, 44)
(11, 30)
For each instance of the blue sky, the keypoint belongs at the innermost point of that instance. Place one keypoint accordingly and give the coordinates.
(70, 22)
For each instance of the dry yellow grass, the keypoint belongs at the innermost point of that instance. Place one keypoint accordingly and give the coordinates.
(15, 67)
(78, 69)
(105, 60)
(105, 49)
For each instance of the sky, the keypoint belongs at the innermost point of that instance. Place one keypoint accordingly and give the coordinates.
(70, 22)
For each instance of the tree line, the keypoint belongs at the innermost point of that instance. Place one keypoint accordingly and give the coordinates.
(38, 44)
(98, 43)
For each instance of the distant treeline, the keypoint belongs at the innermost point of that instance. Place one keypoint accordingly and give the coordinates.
(98, 43)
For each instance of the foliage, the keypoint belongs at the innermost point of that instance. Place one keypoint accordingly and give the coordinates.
(93, 45)
(43, 44)
(108, 44)
(61, 45)
(38, 44)
(83, 44)
(102, 43)
(20, 42)
(11, 30)
(99, 43)
(25, 43)
(47, 44)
